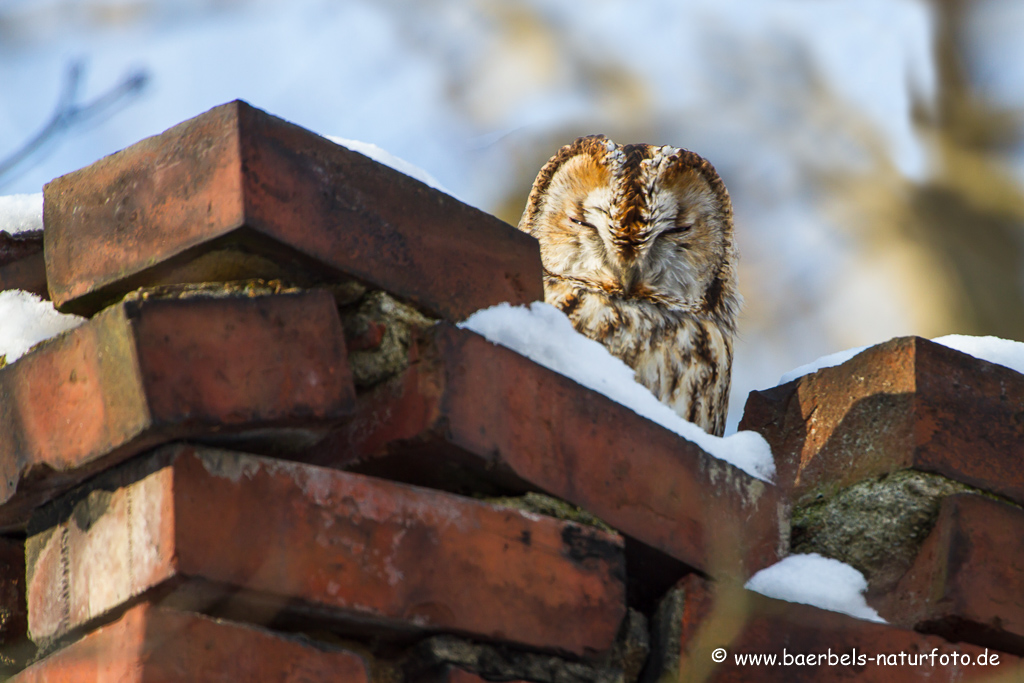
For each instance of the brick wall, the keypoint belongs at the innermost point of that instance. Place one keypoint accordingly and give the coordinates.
(270, 455)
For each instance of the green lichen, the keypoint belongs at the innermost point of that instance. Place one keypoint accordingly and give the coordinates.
(877, 525)
(398, 323)
(212, 290)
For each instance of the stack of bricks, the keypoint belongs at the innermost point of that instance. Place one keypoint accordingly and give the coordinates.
(269, 454)
(906, 461)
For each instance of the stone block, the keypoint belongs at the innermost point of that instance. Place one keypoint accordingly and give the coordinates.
(236, 193)
(271, 541)
(151, 370)
(967, 583)
(21, 262)
(906, 404)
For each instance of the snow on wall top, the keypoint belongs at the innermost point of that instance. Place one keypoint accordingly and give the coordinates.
(26, 320)
(21, 213)
(545, 335)
(368, 149)
(1005, 352)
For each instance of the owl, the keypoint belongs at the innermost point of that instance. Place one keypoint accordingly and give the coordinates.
(637, 247)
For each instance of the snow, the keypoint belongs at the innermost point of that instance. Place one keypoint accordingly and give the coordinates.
(545, 335)
(28, 320)
(21, 213)
(831, 360)
(1005, 352)
(25, 319)
(385, 157)
(815, 580)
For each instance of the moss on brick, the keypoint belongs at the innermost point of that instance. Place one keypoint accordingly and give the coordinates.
(379, 329)
(877, 525)
(212, 290)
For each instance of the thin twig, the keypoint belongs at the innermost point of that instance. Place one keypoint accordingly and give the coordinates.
(70, 113)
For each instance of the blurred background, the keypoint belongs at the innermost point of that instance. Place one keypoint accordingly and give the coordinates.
(874, 149)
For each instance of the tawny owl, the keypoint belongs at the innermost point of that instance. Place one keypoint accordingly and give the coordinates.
(637, 247)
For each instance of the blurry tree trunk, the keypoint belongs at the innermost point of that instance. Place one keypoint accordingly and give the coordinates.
(972, 211)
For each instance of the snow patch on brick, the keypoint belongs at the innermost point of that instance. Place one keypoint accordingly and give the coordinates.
(818, 581)
(21, 213)
(546, 336)
(26, 320)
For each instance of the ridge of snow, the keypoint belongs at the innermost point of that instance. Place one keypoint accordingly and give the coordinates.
(368, 149)
(546, 336)
(1005, 352)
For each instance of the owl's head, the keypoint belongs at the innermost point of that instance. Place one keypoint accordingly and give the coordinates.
(636, 222)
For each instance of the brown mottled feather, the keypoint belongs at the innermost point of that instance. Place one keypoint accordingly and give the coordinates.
(637, 245)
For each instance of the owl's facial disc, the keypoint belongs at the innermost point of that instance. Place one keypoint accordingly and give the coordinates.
(654, 231)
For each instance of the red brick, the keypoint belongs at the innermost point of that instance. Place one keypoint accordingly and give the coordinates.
(237, 193)
(148, 371)
(21, 262)
(905, 404)
(154, 645)
(468, 411)
(364, 554)
(967, 583)
(700, 618)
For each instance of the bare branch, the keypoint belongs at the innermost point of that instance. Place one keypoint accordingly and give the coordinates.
(70, 112)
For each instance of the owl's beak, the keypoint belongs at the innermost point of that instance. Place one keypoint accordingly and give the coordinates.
(628, 277)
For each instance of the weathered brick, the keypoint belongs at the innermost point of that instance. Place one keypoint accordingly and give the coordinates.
(967, 583)
(469, 414)
(906, 404)
(237, 193)
(21, 263)
(262, 539)
(153, 644)
(697, 618)
(147, 371)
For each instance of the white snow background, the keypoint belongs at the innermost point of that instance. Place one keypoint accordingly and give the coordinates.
(25, 319)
